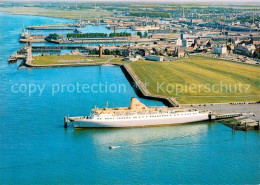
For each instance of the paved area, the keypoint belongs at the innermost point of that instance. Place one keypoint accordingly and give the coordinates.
(228, 108)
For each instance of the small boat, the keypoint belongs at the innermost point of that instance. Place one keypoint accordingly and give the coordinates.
(114, 147)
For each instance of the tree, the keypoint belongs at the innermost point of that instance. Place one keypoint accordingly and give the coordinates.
(107, 52)
(117, 52)
(125, 53)
(256, 55)
(119, 34)
(140, 34)
(87, 35)
(228, 47)
(53, 35)
(146, 34)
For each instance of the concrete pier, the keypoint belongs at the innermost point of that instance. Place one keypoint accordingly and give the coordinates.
(20, 54)
(225, 116)
(14, 57)
(243, 124)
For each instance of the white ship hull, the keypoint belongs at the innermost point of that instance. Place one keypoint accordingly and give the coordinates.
(82, 122)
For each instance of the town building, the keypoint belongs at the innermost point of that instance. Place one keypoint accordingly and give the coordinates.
(154, 58)
(235, 41)
(187, 42)
(178, 42)
(220, 50)
(255, 40)
(244, 49)
(130, 59)
(179, 52)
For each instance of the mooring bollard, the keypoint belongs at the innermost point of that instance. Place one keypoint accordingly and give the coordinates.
(233, 129)
(210, 117)
(245, 126)
(65, 122)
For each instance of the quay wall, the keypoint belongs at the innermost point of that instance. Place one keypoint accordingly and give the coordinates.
(141, 89)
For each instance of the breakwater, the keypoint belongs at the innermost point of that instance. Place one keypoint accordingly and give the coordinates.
(102, 40)
(55, 48)
(79, 41)
(50, 27)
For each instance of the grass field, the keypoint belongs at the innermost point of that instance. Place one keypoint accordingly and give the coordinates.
(190, 80)
(200, 80)
(85, 14)
(66, 59)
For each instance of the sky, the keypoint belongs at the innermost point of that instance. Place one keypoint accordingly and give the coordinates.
(235, 2)
(176, 1)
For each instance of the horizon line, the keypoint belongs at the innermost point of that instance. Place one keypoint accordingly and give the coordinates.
(144, 1)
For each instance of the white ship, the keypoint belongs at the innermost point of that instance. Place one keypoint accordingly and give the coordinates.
(137, 115)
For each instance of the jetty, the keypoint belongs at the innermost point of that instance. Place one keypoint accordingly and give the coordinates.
(50, 27)
(242, 123)
(58, 48)
(90, 40)
(14, 57)
(225, 116)
(20, 54)
(73, 40)
(55, 48)
(237, 121)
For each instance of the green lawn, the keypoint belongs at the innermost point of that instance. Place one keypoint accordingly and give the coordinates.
(200, 80)
(86, 14)
(66, 59)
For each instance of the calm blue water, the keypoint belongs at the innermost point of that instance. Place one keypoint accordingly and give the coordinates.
(36, 149)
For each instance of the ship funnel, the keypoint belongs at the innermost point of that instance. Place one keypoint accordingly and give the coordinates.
(136, 104)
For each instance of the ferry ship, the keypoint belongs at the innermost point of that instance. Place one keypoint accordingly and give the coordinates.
(137, 115)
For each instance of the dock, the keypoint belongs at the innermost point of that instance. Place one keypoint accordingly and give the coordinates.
(14, 57)
(50, 27)
(102, 40)
(226, 116)
(91, 40)
(242, 123)
(55, 48)
(236, 121)
(20, 54)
